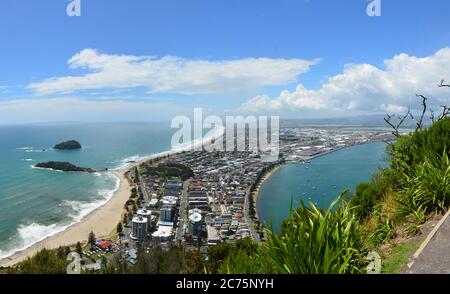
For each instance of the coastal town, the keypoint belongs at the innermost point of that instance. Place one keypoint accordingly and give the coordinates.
(199, 199)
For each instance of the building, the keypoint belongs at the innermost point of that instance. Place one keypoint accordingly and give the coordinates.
(145, 214)
(104, 245)
(153, 202)
(163, 233)
(169, 200)
(213, 237)
(167, 213)
(195, 224)
(173, 185)
(139, 228)
(92, 267)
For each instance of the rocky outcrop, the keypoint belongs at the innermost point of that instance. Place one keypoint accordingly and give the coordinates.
(68, 145)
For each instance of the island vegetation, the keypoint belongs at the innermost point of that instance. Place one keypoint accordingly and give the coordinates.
(68, 145)
(63, 166)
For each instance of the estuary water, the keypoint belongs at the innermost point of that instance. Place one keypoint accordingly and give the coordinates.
(321, 181)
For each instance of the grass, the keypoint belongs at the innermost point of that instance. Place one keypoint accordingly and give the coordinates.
(398, 257)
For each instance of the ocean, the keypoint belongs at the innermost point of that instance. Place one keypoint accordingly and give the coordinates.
(321, 181)
(37, 203)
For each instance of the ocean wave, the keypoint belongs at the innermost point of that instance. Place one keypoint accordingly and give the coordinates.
(33, 149)
(27, 159)
(47, 169)
(24, 148)
(30, 234)
(128, 161)
(216, 133)
(84, 208)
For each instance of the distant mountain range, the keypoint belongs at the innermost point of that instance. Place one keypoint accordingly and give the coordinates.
(354, 121)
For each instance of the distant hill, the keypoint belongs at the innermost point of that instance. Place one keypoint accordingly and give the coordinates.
(354, 121)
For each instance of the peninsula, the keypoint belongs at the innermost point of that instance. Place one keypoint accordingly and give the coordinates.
(63, 166)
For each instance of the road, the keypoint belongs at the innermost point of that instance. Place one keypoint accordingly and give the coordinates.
(182, 216)
(142, 186)
(248, 220)
(434, 257)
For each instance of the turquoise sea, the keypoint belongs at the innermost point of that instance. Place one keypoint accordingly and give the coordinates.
(36, 203)
(321, 181)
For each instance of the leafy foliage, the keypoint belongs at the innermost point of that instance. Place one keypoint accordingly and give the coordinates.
(313, 241)
(169, 170)
(44, 262)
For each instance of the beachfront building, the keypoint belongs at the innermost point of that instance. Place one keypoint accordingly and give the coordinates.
(167, 214)
(195, 224)
(169, 201)
(139, 228)
(145, 214)
(164, 233)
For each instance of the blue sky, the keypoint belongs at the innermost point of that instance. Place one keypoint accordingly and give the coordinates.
(296, 58)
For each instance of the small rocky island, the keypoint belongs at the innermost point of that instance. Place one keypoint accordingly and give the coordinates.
(63, 166)
(68, 145)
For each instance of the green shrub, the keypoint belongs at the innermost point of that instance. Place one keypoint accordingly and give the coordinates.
(313, 241)
(428, 188)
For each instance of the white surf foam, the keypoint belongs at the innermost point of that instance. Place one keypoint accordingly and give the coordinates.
(84, 208)
(30, 234)
(47, 169)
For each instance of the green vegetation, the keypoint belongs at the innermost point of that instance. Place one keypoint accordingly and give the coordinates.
(168, 170)
(68, 145)
(44, 262)
(395, 203)
(63, 166)
(399, 257)
(119, 228)
(79, 249)
(312, 241)
(91, 238)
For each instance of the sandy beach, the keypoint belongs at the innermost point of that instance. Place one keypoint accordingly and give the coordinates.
(261, 182)
(104, 219)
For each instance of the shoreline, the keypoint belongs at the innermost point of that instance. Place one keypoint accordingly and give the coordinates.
(255, 194)
(270, 173)
(103, 219)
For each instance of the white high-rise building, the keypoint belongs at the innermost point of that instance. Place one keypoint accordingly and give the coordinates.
(195, 224)
(146, 214)
(139, 228)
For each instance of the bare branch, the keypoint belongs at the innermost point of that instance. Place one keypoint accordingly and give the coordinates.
(445, 112)
(443, 85)
(396, 127)
(419, 123)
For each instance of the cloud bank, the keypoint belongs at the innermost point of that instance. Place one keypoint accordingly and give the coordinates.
(171, 74)
(364, 87)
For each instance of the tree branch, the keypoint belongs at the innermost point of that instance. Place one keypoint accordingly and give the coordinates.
(443, 85)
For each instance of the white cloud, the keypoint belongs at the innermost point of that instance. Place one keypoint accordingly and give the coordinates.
(76, 109)
(364, 87)
(171, 74)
